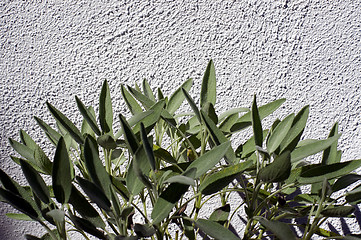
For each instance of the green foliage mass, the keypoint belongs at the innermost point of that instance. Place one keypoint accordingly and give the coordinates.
(164, 166)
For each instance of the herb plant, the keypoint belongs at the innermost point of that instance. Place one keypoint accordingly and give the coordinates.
(164, 166)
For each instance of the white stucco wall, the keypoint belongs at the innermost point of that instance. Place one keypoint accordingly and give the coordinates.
(307, 51)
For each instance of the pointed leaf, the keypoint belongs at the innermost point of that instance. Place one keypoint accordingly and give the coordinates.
(87, 226)
(294, 134)
(130, 139)
(61, 173)
(105, 109)
(84, 208)
(95, 166)
(338, 211)
(50, 133)
(146, 102)
(141, 167)
(22, 149)
(147, 90)
(215, 230)
(19, 203)
(280, 229)
(312, 148)
(232, 112)
(147, 146)
(150, 120)
(132, 104)
(167, 200)
(318, 173)
(137, 118)
(192, 104)
(208, 90)
(354, 196)
(107, 141)
(177, 97)
(256, 124)
(181, 179)
(143, 230)
(220, 215)
(88, 116)
(279, 170)
(19, 216)
(279, 133)
(36, 182)
(217, 181)
(330, 153)
(66, 123)
(345, 181)
(209, 159)
(95, 193)
(218, 137)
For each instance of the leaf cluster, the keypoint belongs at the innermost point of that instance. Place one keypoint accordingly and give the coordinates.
(165, 166)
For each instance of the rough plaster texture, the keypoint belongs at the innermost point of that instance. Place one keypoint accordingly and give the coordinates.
(307, 51)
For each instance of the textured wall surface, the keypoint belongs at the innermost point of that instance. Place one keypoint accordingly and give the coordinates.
(307, 51)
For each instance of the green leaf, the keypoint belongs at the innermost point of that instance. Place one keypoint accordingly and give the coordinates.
(163, 154)
(338, 211)
(279, 133)
(209, 159)
(218, 137)
(330, 153)
(249, 147)
(132, 104)
(105, 109)
(88, 116)
(264, 111)
(280, 229)
(177, 97)
(167, 200)
(294, 134)
(120, 188)
(141, 167)
(256, 124)
(345, 181)
(130, 139)
(150, 120)
(278, 171)
(22, 149)
(36, 182)
(215, 230)
(137, 118)
(312, 148)
(87, 226)
(84, 208)
(52, 135)
(147, 146)
(40, 158)
(61, 175)
(221, 214)
(233, 111)
(143, 230)
(19, 203)
(31, 237)
(319, 172)
(147, 90)
(208, 90)
(19, 216)
(192, 104)
(14, 188)
(217, 181)
(146, 102)
(95, 193)
(181, 179)
(227, 124)
(57, 214)
(66, 123)
(208, 108)
(95, 166)
(107, 141)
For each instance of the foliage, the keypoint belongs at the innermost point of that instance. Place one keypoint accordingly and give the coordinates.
(164, 166)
